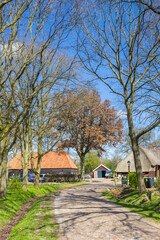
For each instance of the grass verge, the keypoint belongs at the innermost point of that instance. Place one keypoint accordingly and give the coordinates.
(39, 222)
(130, 199)
(16, 198)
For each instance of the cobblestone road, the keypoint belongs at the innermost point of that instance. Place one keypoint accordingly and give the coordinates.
(82, 214)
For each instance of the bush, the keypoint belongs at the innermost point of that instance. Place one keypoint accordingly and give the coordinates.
(61, 178)
(15, 183)
(133, 182)
(157, 183)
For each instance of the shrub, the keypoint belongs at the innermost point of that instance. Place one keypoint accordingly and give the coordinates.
(157, 183)
(133, 182)
(15, 183)
(62, 178)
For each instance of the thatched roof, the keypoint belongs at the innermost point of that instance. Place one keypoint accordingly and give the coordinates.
(149, 159)
(49, 160)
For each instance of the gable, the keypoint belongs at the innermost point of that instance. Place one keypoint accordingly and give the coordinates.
(101, 168)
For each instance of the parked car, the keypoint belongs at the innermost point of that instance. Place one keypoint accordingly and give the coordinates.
(42, 178)
(31, 177)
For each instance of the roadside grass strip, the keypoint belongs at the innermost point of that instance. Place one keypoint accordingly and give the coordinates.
(39, 222)
(16, 198)
(137, 203)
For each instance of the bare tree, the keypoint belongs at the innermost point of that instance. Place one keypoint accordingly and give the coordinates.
(58, 73)
(38, 84)
(118, 46)
(28, 29)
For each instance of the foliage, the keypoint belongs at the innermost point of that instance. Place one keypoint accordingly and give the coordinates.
(15, 183)
(39, 218)
(130, 198)
(17, 197)
(87, 123)
(39, 222)
(111, 164)
(157, 183)
(91, 162)
(62, 178)
(133, 182)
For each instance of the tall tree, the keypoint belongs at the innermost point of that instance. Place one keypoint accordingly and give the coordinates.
(117, 44)
(40, 81)
(58, 76)
(27, 30)
(87, 123)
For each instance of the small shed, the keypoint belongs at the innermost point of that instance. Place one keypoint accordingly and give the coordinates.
(100, 171)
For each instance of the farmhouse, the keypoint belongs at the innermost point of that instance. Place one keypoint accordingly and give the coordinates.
(52, 163)
(150, 160)
(100, 171)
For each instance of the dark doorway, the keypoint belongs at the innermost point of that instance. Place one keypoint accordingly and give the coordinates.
(103, 174)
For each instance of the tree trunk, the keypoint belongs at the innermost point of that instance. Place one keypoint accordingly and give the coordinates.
(138, 166)
(82, 167)
(3, 168)
(25, 143)
(25, 176)
(25, 164)
(36, 180)
(3, 175)
(136, 153)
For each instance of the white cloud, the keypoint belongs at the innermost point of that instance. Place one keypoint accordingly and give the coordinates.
(122, 113)
(16, 48)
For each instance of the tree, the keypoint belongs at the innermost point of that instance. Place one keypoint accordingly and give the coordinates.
(58, 76)
(145, 140)
(117, 44)
(87, 123)
(152, 5)
(28, 30)
(40, 82)
(91, 162)
(10, 56)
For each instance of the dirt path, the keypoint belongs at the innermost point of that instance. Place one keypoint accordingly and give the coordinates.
(82, 214)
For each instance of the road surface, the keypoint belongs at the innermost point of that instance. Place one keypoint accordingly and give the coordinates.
(83, 214)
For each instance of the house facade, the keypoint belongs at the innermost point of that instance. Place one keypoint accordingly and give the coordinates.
(150, 161)
(52, 163)
(100, 171)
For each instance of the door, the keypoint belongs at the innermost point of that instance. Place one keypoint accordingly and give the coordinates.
(99, 174)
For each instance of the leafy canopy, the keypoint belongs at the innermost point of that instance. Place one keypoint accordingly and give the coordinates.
(87, 122)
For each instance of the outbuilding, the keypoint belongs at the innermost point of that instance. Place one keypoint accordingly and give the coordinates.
(100, 171)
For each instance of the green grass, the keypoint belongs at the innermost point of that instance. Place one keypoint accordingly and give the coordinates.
(133, 201)
(16, 198)
(38, 223)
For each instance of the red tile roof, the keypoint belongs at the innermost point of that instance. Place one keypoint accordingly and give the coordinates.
(49, 160)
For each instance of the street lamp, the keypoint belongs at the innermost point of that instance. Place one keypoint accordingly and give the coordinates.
(129, 165)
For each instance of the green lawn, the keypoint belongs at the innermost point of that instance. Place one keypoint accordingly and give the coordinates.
(39, 222)
(132, 200)
(16, 198)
